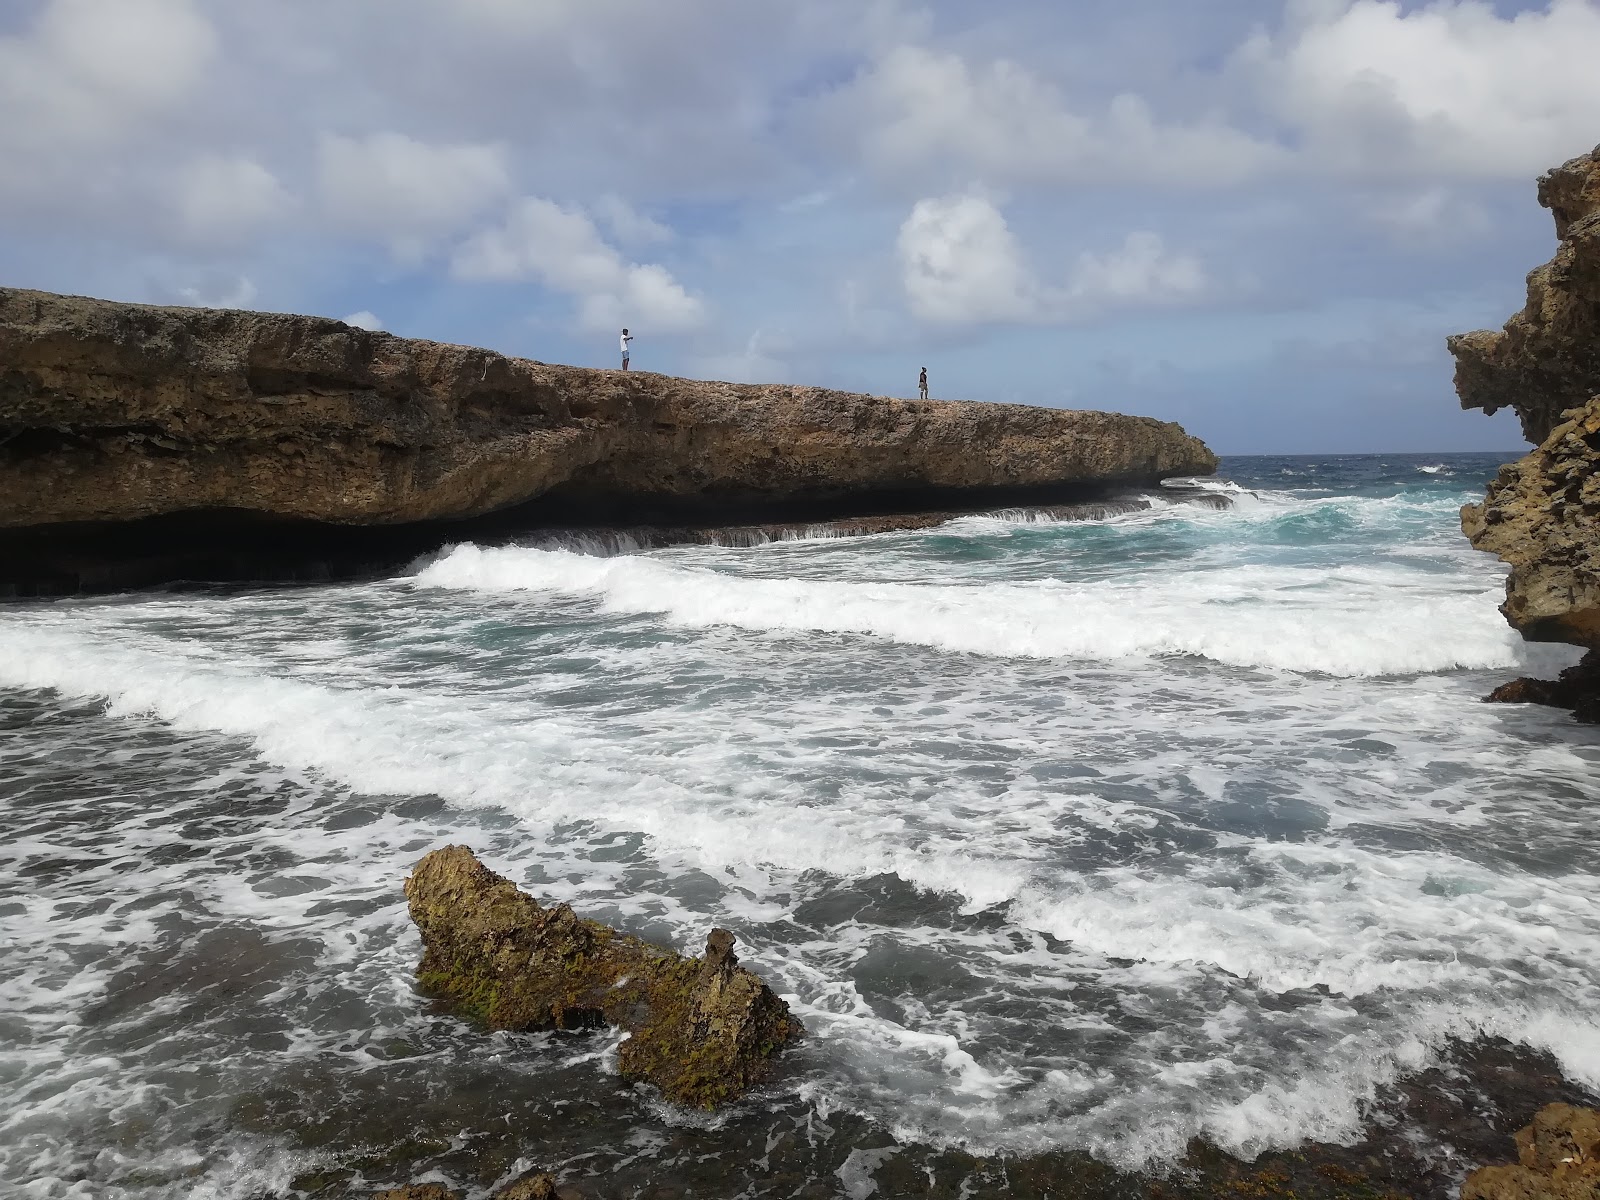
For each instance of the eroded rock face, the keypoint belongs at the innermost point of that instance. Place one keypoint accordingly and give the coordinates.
(1558, 1158)
(1547, 358)
(111, 412)
(1542, 516)
(703, 1030)
(1542, 513)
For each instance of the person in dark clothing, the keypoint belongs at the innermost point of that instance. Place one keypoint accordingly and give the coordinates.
(922, 384)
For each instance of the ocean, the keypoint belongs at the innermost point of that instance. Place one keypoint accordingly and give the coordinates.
(1059, 836)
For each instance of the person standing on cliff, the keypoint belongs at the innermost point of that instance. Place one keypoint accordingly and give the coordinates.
(626, 338)
(922, 384)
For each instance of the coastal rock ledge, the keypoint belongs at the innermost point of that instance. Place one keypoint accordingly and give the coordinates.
(128, 430)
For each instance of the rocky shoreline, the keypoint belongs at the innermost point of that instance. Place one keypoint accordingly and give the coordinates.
(496, 957)
(142, 445)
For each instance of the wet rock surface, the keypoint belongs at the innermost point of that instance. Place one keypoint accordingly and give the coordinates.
(1423, 1137)
(1542, 513)
(252, 434)
(1558, 1158)
(702, 1030)
(1577, 688)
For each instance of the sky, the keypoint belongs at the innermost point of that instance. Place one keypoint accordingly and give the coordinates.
(1259, 218)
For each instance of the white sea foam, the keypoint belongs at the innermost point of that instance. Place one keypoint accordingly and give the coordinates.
(1353, 621)
(846, 752)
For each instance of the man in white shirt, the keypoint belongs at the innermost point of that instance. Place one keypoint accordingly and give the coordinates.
(626, 338)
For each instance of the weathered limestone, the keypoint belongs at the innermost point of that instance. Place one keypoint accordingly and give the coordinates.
(703, 1030)
(1558, 1158)
(111, 412)
(1542, 513)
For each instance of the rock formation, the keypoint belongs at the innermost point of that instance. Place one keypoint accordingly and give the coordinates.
(1558, 1158)
(538, 1186)
(703, 1030)
(1542, 513)
(113, 414)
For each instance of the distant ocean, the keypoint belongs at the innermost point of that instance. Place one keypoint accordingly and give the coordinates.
(1094, 835)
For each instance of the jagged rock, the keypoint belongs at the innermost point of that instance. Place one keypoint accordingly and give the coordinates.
(1558, 1158)
(1542, 513)
(111, 413)
(1577, 688)
(418, 1191)
(537, 1186)
(703, 1030)
(1547, 359)
(1542, 516)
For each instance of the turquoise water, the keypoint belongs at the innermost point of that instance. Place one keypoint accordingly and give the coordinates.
(1084, 835)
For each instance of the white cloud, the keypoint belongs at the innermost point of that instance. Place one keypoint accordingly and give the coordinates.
(364, 320)
(240, 294)
(756, 362)
(1140, 271)
(962, 265)
(1431, 216)
(90, 69)
(221, 198)
(627, 224)
(407, 192)
(916, 113)
(1451, 87)
(562, 249)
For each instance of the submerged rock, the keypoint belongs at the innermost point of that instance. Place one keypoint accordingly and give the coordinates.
(1558, 1158)
(1542, 513)
(703, 1030)
(203, 442)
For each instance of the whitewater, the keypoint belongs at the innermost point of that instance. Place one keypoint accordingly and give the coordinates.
(1093, 835)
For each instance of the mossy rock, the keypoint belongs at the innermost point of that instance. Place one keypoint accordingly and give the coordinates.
(703, 1030)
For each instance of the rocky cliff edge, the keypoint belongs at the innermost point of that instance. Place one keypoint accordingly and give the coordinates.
(111, 412)
(1542, 513)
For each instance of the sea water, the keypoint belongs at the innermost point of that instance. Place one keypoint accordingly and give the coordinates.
(1091, 835)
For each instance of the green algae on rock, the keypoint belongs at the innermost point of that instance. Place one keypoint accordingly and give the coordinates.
(703, 1030)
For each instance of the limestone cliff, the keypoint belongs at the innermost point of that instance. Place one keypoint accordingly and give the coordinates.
(1542, 513)
(1547, 358)
(110, 413)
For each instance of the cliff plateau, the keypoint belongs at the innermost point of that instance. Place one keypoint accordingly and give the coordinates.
(124, 425)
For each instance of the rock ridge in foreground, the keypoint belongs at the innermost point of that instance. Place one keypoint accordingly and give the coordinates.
(245, 423)
(704, 1030)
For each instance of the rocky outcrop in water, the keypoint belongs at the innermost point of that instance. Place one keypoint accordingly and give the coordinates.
(1558, 1158)
(539, 1186)
(1542, 513)
(703, 1030)
(113, 414)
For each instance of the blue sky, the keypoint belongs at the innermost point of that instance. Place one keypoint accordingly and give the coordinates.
(1260, 219)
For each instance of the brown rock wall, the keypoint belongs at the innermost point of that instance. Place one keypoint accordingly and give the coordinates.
(112, 412)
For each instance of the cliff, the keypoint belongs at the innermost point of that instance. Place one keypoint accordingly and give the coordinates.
(115, 413)
(1542, 513)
